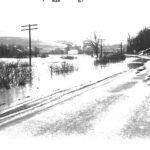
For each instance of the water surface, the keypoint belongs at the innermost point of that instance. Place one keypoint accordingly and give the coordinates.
(45, 83)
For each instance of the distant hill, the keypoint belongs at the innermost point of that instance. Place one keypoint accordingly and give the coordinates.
(45, 47)
(17, 41)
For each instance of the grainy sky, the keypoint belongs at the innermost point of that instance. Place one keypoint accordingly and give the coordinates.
(73, 21)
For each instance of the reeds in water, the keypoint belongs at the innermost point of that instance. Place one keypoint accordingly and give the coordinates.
(64, 68)
(14, 74)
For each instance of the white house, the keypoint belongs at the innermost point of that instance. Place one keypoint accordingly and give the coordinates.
(73, 52)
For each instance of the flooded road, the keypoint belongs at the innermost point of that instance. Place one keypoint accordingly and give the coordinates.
(44, 83)
(114, 107)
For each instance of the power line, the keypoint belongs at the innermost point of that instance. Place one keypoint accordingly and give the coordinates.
(29, 27)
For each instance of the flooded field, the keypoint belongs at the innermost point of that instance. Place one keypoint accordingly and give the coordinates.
(45, 82)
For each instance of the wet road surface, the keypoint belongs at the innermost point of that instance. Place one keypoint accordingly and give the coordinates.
(114, 108)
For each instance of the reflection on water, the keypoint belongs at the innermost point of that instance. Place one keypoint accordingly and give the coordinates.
(45, 83)
(97, 64)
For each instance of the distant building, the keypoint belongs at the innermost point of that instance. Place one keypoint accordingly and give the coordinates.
(73, 52)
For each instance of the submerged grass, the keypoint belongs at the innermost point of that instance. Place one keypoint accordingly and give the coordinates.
(64, 68)
(43, 55)
(116, 57)
(69, 57)
(14, 74)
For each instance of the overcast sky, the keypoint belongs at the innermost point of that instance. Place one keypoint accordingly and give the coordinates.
(73, 21)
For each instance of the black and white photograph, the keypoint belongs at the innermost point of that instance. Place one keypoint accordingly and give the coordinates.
(74, 74)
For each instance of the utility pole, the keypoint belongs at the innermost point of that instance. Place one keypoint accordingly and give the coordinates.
(29, 28)
(121, 47)
(101, 52)
(129, 42)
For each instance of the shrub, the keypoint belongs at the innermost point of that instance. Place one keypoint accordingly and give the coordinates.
(14, 74)
(68, 57)
(64, 68)
(112, 58)
(43, 55)
(135, 65)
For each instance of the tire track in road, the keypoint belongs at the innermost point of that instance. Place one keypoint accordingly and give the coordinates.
(30, 108)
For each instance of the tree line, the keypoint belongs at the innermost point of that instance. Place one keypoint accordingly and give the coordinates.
(16, 51)
(140, 42)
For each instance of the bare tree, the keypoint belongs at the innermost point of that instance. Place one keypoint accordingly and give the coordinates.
(68, 45)
(93, 44)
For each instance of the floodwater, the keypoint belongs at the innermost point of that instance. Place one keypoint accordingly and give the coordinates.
(46, 83)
